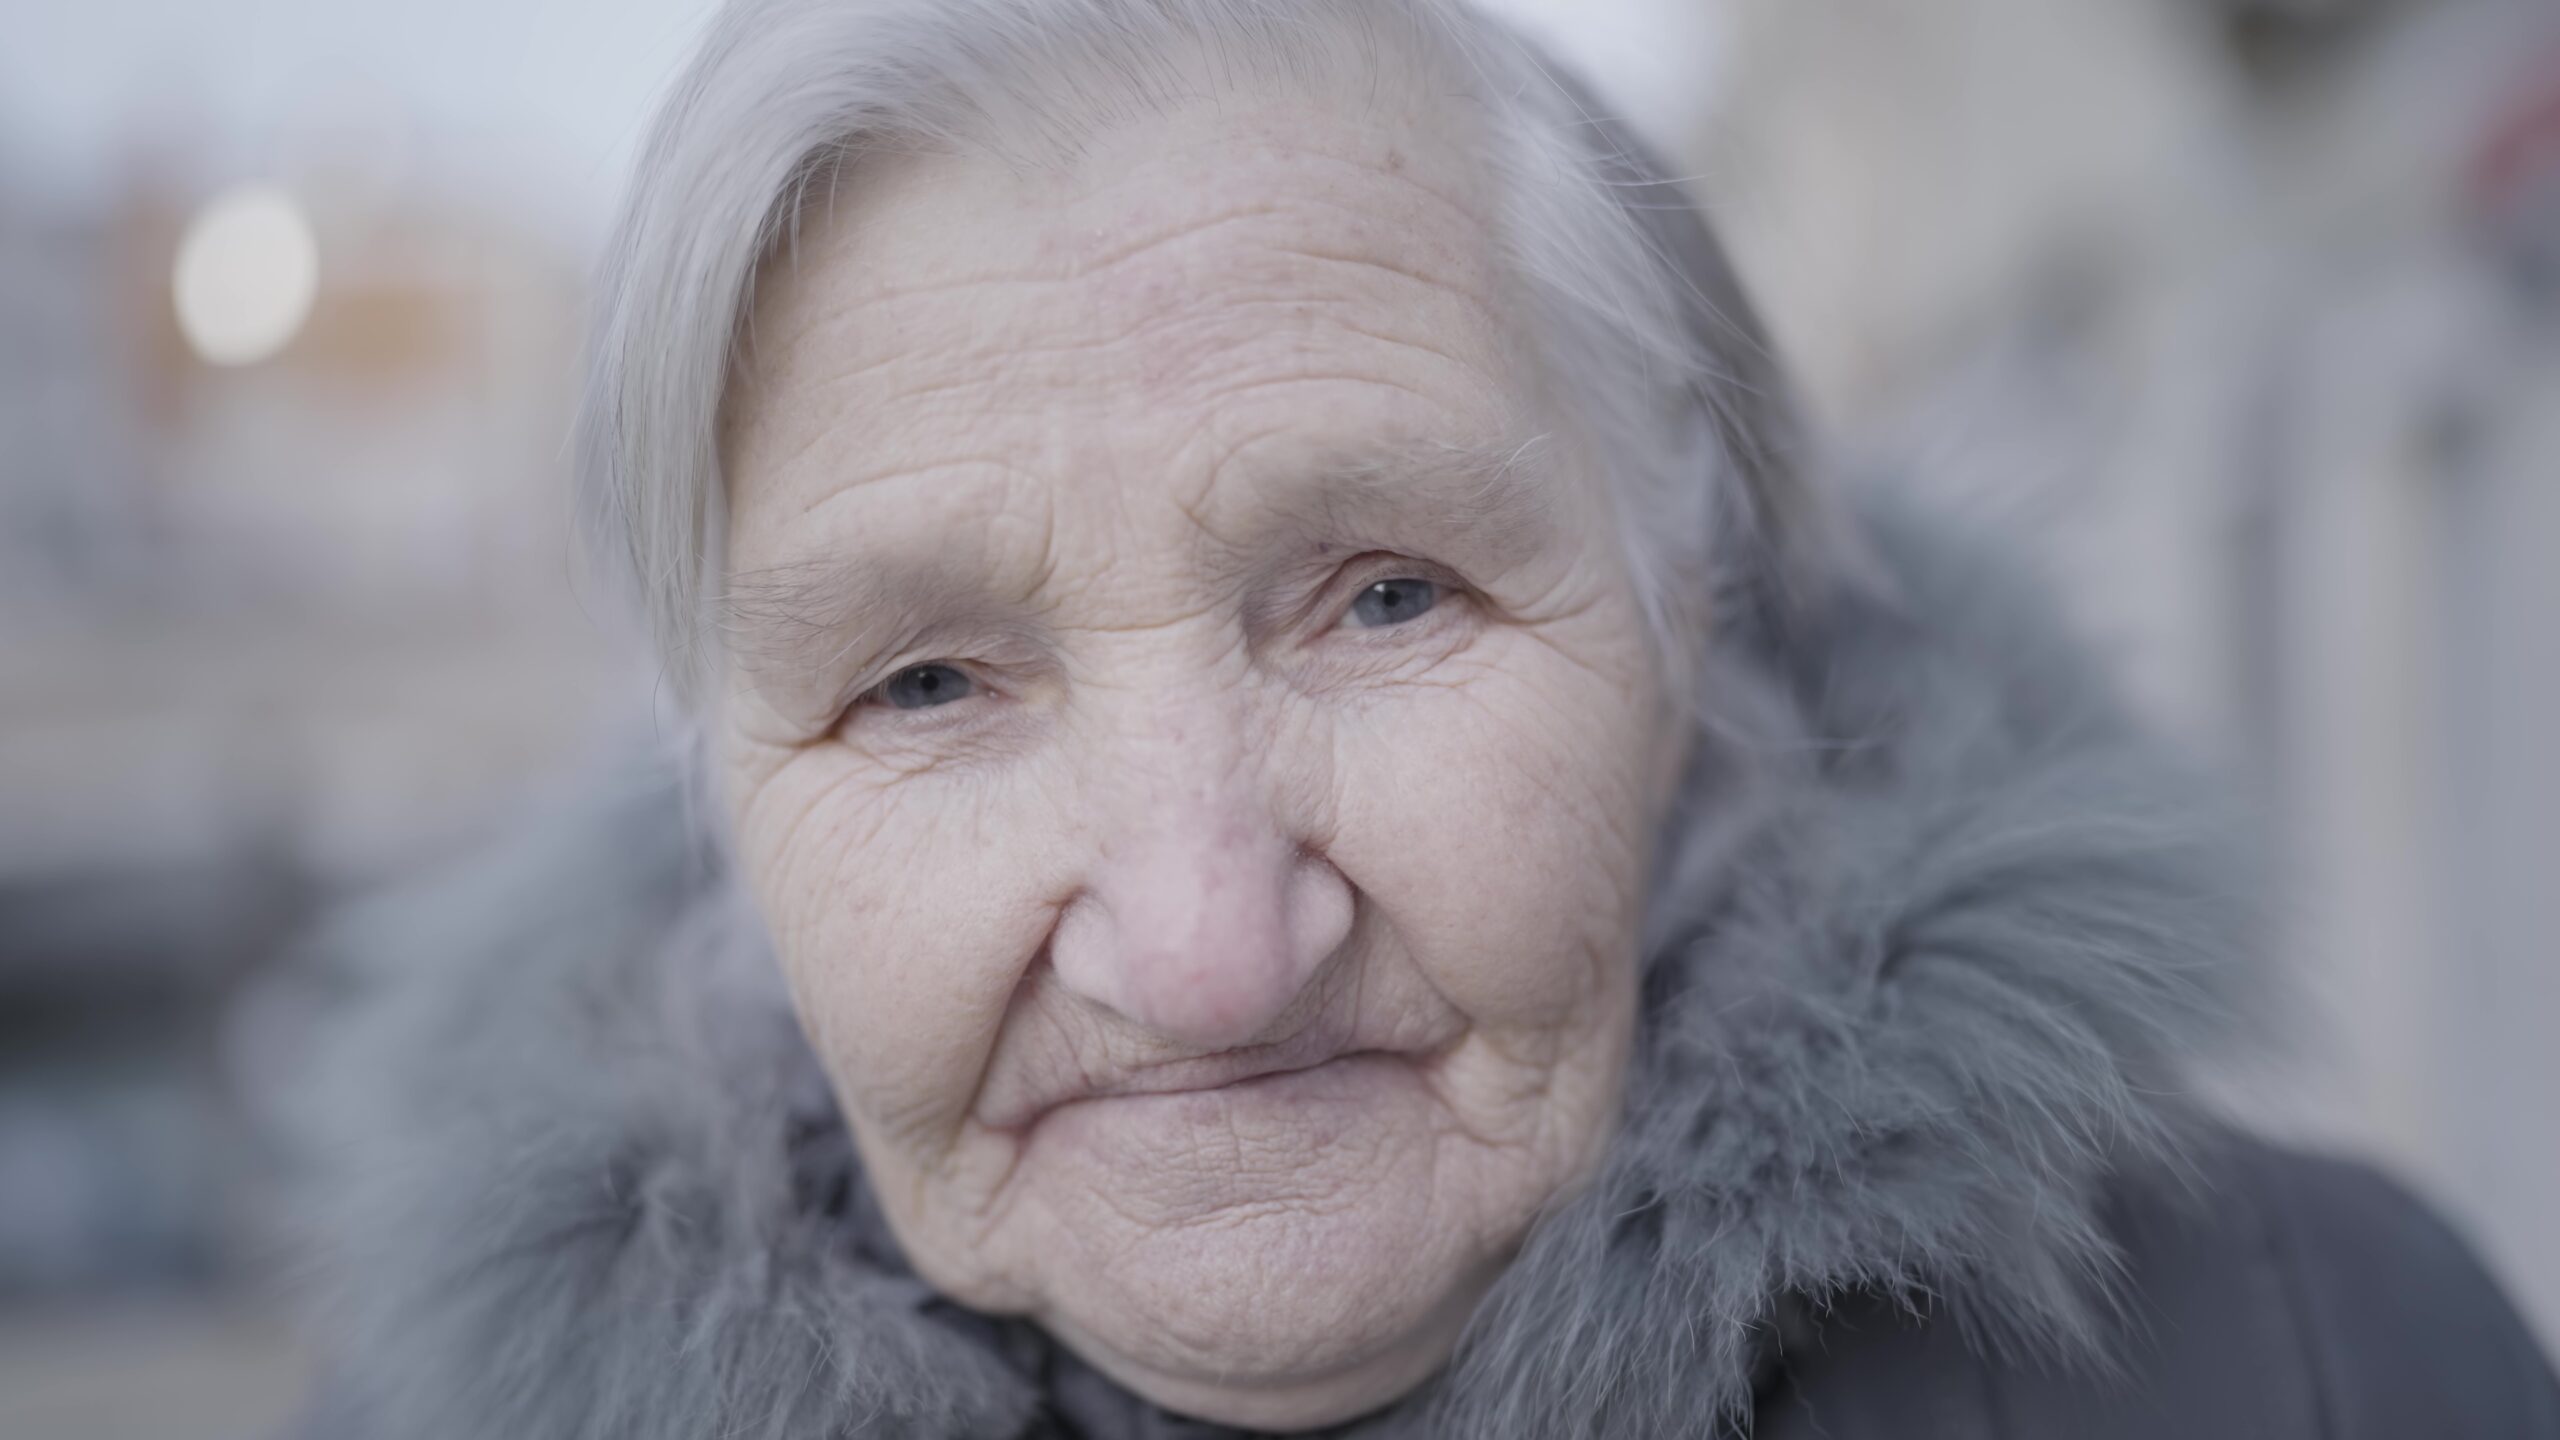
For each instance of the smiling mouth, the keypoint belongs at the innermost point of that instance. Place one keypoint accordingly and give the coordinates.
(1204, 1076)
(1235, 1080)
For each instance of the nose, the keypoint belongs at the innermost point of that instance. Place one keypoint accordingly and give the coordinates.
(1204, 926)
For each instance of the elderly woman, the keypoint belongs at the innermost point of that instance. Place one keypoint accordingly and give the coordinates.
(1301, 815)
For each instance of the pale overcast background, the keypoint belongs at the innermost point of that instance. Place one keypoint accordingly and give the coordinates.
(2246, 311)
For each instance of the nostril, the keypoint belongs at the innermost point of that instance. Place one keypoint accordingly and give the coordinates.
(1319, 913)
(1079, 951)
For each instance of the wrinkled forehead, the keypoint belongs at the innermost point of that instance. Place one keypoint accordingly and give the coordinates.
(1250, 313)
(1246, 271)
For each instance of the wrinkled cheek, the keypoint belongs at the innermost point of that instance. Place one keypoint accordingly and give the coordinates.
(903, 927)
(1492, 850)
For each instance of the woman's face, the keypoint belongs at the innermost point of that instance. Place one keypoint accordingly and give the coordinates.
(1192, 737)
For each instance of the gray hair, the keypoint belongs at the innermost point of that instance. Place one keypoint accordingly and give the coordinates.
(1641, 324)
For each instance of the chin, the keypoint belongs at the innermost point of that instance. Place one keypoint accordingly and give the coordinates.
(1258, 1256)
(1277, 1322)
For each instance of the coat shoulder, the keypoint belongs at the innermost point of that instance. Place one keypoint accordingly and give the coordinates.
(2265, 1292)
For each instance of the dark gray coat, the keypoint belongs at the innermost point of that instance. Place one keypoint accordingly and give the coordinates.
(1908, 1148)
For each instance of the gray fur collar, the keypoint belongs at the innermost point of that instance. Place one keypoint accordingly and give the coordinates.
(1934, 935)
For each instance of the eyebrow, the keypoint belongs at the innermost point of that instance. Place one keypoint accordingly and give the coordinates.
(797, 624)
(1500, 498)
(811, 617)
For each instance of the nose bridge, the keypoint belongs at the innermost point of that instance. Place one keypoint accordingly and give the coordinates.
(1180, 750)
(1178, 739)
(1204, 912)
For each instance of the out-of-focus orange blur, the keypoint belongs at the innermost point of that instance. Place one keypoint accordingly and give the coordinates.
(2248, 310)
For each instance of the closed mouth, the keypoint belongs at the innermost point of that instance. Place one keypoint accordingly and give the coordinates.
(1204, 1075)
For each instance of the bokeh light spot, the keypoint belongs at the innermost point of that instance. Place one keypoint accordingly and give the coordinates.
(248, 269)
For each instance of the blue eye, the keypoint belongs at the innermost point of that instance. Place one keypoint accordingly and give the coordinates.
(1394, 601)
(921, 687)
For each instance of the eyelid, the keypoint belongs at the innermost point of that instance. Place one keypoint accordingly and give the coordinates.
(1389, 565)
(1011, 650)
(868, 696)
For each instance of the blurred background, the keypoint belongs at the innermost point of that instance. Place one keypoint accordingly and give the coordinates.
(2248, 310)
